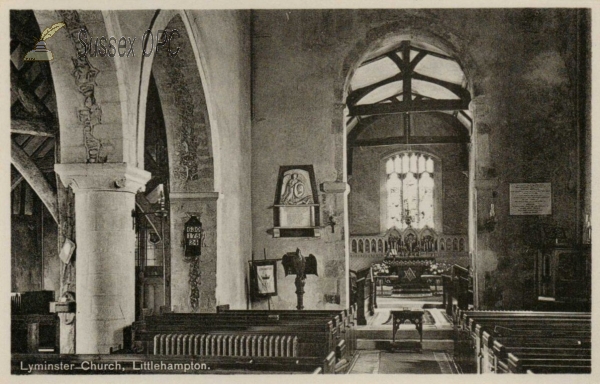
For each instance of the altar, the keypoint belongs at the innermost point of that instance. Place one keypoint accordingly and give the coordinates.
(408, 262)
(404, 276)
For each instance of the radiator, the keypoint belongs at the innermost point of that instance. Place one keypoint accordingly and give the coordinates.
(226, 345)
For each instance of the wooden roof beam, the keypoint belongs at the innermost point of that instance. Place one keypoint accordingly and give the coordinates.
(408, 106)
(15, 183)
(27, 97)
(35, 178)
(412, 140)
(30, 127)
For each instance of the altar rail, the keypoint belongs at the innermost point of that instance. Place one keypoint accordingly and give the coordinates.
(376, 246)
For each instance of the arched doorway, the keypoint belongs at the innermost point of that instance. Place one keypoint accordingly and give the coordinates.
(408, 135)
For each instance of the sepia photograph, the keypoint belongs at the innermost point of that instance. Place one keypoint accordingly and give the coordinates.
(264, 190)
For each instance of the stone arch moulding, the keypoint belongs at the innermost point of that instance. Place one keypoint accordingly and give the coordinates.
(419, 29)
(160, 21)
(193, 156)
(88, 100)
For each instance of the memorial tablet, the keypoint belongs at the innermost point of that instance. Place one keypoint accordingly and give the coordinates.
(530, 199)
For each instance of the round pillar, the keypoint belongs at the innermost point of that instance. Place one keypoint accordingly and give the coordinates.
(105, 239)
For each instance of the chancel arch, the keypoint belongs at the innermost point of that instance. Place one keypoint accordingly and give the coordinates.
(408, 136)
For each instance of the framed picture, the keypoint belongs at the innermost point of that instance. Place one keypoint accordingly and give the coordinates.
(264, 278)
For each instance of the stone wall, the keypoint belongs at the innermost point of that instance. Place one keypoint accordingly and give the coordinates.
(524, 62)
(366, 180)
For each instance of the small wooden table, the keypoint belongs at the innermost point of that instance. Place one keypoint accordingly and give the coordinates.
(415, 316)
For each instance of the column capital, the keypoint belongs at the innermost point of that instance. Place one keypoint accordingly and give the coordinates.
(119, 177)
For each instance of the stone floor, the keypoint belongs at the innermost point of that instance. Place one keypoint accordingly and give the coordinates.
(427, 362)
(377, 334)
(375, 353)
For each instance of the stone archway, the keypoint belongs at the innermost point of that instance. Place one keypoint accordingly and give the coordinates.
(192, 172)
(449, 41)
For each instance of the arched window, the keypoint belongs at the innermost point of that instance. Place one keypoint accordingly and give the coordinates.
(410, 190)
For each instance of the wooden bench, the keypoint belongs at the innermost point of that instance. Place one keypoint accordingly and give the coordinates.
(525, 346)
(230, 319)
(548, 364)
(345, 328)
(476, 332)
(475, 353)
(542, 328)
(465, 316)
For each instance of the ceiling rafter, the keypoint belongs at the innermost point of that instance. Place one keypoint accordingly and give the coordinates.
(32, 127)
(358, 94)
(32, 174)
(401, 58)
(411, 140)
(27, 97)
(15, 183)
(427, 105)
(454, 88)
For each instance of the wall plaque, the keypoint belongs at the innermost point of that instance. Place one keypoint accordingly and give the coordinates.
(193, 237)
(530, 199)
(296, 207)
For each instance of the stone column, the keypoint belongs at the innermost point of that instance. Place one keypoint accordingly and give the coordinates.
(105, 238)
(204, 206)
(483, 181)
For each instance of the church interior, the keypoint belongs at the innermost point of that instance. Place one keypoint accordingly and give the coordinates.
(301, 191)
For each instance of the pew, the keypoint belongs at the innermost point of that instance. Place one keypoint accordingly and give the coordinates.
(548, 364)
(256, 318)
(464, 316)
(228, 334)
(482, 339)
(345, 329)
(525, 346)
(531, 330)
(472, 323)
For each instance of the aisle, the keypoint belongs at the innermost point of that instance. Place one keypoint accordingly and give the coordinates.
(402, 362)
(377, 334)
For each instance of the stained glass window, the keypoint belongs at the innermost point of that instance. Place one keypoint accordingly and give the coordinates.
(410, 188)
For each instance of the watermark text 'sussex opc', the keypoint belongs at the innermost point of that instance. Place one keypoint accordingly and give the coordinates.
(163, 42)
